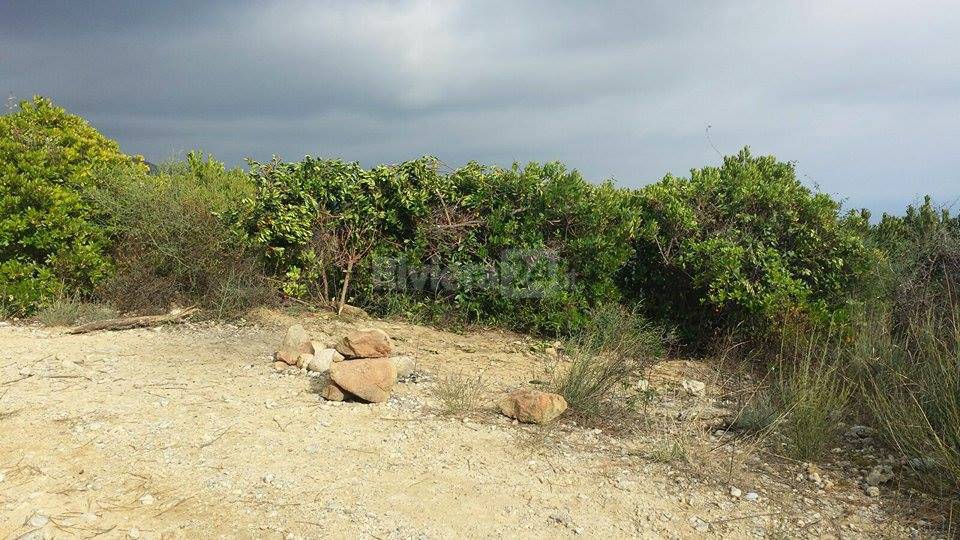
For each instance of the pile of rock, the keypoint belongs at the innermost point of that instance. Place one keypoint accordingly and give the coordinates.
(358, 366)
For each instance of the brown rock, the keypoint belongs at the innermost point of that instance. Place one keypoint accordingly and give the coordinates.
(280, 366)
(533, 406)
(332, 392)
(367, 343)
(369, 379)
(295, 343)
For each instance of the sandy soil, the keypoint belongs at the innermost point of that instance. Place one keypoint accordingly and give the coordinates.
(188, 432)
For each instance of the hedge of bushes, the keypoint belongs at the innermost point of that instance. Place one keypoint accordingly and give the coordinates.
(532, 247)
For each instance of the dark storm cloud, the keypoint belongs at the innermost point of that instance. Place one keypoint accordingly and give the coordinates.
(864, 96)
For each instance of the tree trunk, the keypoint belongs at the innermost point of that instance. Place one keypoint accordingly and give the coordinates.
(346, 285)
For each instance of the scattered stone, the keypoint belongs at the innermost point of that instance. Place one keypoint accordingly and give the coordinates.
(404, 364)
(861, 432)
(699, 525)
(872, 491)
(268, 478)
(134, 533)
(751, 496)
(37, 520)
(533, 406)
(735, 492)
(367, 343)
(694, 387)
(550, 351)
(369, 379)
(147, 499)
(280, 365)
(295, 343)
(880, 474)
(643, 385)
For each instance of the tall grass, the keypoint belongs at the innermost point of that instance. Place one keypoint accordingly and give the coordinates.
(605, 353)
(912, 391)
(812, 391)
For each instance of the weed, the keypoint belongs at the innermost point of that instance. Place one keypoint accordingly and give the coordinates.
(67, 310)
(611, 348)
(812, 392)
(460, 394)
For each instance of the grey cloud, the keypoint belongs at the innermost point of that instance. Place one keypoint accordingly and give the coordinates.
(865, 97)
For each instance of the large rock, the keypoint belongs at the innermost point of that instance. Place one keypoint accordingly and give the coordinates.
(533, 406)
(295, 343)
(366, 343)
(370, 379)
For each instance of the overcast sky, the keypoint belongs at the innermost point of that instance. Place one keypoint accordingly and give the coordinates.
(863, 95)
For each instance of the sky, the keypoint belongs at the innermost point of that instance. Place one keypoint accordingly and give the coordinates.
(864, 96)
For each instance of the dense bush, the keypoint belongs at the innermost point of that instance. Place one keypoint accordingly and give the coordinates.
(742, 245)
(47, 242)
(533, 247)
(169, 245)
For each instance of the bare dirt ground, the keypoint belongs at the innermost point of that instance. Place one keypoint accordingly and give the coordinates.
(188, 431)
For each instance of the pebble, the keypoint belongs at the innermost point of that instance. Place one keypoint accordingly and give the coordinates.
(134, 532)
(735, 492)
(147, 499)
(872, 491)
(751, 496)
(268, 478)
(38, 520)
(699, 524)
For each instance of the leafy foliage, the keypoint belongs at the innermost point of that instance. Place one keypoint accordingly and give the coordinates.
(47, 241)
(168, 244)
(743, 244)
(532, 246)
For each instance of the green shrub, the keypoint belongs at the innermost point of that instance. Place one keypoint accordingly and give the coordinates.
(551, 241)
(47, 241)
(602, 356)
(170, 246)
(741, 246)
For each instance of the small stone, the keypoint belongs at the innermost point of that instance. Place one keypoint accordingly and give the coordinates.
(550, 351)
(880, 474)
(643, 385)
(295, 343)
(268, 478)
(147, 499)
(533, 406)
(699, 525)
(404, 364)
(280, 366)
(872, 491)
(38, 520)
(134, 533)
(735, 492)
(751, 496)
(694, 387)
